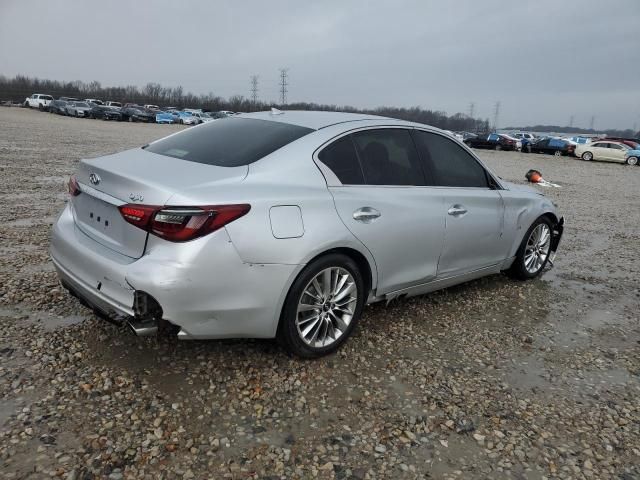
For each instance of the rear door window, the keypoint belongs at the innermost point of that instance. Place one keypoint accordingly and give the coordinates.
(388, 157)
(229, 142)
(342, 159)
(450, 164)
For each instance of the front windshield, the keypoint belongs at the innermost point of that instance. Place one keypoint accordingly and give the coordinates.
(82, 104)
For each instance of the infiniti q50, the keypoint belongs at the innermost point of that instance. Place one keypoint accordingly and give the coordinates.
(286, 224)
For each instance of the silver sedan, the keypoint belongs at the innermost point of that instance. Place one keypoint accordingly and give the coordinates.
(286, 224)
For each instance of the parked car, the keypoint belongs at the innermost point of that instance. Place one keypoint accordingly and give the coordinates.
(137, 114)
(113, 104)
(524, 136)
(187, 118)
(58, 106)
(78, 109)
(202, 117)
(577, 140)
(608, 151)
(68, 99)
(106, 113)
(551, 146)
(264, 226)
(151, 107)
(39, 101)
(95, 101)
(495, 141)
(166, 117)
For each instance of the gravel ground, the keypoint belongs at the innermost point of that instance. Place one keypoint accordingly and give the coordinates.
(491, 379)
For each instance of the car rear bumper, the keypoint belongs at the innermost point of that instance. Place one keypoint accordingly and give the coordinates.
(202, 286)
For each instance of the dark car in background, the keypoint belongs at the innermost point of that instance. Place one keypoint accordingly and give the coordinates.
(494, 141)
(58, 106)
(551, 146)
(136, 113)
(106, 113)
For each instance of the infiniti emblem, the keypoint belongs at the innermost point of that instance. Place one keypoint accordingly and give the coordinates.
(94, 178)
(136, 197)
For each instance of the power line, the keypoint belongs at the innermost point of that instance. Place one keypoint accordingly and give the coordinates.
(496, 115)
(254, 89)
(283, 86)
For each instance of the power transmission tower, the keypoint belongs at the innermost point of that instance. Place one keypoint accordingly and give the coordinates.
(592, 122)
(283, 86)
(472, 109)
(254, 89)
(496, 115)
(571, 121)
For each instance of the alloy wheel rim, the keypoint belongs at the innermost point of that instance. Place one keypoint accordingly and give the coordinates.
(326, 307)
(632, 160)
(537, 249)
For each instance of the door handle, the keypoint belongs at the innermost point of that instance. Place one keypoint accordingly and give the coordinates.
(457, 210)
(366, 214)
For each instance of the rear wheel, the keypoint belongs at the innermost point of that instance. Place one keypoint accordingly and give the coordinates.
(498, 147)
(322, 307)
(632, 161)
(587, 156)
(558, 153)
(131, 120)
(533, 253)
(40, 107)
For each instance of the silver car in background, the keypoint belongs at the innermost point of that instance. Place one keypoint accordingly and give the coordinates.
(286, 224)
(78, 109)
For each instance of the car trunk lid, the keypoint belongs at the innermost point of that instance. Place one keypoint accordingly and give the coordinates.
(136, 177)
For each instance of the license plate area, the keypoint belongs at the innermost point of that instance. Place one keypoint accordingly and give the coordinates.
(103, 222)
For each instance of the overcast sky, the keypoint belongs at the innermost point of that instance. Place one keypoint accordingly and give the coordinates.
(544, 60)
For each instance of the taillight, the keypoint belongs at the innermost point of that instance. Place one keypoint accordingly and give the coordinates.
(181, 224)
(74, 188)
(138, 215)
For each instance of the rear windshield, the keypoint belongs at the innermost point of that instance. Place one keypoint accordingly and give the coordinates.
(229, 142)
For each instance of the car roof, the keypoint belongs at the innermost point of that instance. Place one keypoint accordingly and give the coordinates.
(312, 119)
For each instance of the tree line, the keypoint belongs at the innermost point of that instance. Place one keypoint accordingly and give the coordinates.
(17, 88)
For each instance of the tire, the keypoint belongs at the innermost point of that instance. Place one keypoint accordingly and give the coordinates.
(498, 148)
(40, 107)
(557, 153)
(181, 122)
(298, 333)
(528, 149)
(587, 156)
(632, 161)
(131, 120)
(533, 253)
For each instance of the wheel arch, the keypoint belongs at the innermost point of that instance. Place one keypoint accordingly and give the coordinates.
(361, 261)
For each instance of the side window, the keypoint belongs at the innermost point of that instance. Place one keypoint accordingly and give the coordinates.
(388, 157)
(615, 146)
(342, 159)
(451, 165)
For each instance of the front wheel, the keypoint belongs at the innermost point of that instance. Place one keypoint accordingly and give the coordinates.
(587, 156)
(322, 307)
(631, 161)
(533, 253)
(557, 153)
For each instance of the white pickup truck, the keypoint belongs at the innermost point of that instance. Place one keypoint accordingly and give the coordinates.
(39, 101)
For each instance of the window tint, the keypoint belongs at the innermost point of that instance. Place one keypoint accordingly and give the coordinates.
(342, 159)
(229, 142)
(388, 157)
(450, 164)
(615, 146)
